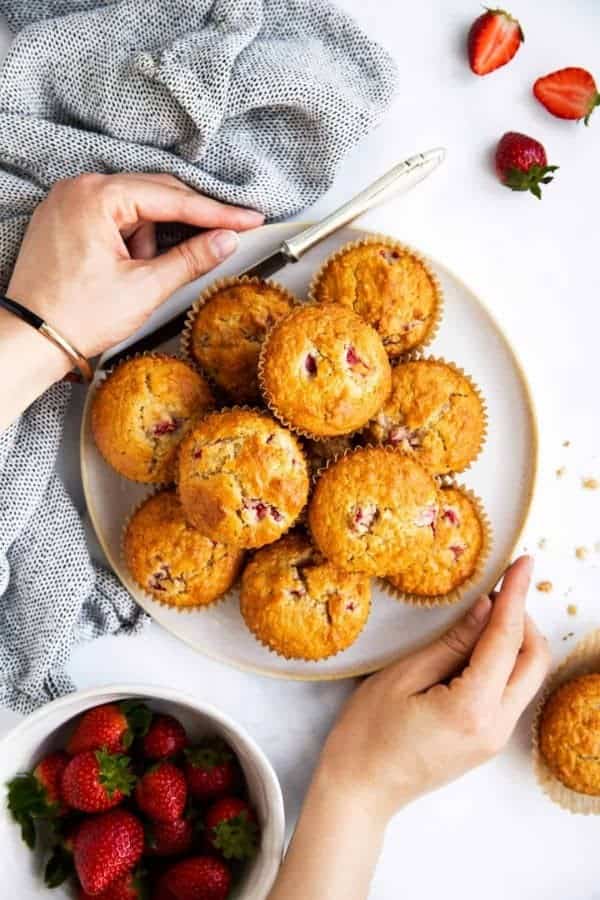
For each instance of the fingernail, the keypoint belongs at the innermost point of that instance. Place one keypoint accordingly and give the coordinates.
(224, 243)
(252, 216)
(481, 609)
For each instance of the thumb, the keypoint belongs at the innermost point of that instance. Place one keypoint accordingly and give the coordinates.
(190, 259)
(440, 659)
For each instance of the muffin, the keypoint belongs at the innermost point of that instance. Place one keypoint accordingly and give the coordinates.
(435, 413)
(458, 548)
(569, 734)
(374, 511)
(299, 604)
(172, 561)
(227, 328)
(143, 410)
(242, 478)
(324, 371)
(389, 286)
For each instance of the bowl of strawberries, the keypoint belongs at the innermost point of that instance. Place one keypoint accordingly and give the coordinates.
(127, 792)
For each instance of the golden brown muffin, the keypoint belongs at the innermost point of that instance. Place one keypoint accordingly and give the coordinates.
(300, 605)
(171, 560)
(458, 543)
(373, 511)
(389, 286)
(433, 413)
(226, 333)
(242, 478)
(143, 410)
(324, 371)
(569, 735)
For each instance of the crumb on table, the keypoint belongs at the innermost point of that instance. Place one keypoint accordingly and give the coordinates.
(590, 484)
(570, 634)
(544, 586)
(566, 443)
(572, 609)
(542, 543)
(581, 552)
(560, 473)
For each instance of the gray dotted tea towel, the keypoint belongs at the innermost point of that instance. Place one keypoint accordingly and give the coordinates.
(254, 102)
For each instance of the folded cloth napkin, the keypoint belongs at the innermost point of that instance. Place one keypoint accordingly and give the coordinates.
(254, 102)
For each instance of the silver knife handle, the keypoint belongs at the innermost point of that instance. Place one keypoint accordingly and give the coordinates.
(419, 165)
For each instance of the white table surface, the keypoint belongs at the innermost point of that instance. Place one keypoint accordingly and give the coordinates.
(492, 834)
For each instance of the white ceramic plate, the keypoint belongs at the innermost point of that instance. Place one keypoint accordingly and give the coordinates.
(503, 476)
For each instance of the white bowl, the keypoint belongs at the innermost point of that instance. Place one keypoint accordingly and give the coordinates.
(47, 728)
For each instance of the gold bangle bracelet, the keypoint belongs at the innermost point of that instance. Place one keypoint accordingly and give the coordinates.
(74, 355)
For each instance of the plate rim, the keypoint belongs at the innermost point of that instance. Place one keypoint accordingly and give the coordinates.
(356, 671)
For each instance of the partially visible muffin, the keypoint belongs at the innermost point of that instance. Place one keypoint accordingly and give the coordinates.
(243, 479)
(298, 604)
(434, 413)
(569, 734)
(324, 371)
(389, 286)
(143, 410)
(171, 560)
(459, 538)
(319, 453)
(227, 330)
(374, 511)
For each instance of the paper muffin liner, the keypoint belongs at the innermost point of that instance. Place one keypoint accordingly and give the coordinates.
(265, 413)
(272, 406)
(180, 609)
(185, 343)
(457, 593)
(584, 659)
(305, 530)
(446, 479)
(149, 354)
(392, 243)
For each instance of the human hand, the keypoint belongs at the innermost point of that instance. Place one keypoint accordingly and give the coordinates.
(407, 730)
(88, 262)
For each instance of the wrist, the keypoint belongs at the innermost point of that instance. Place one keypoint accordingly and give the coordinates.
(35, 355)
(351, 792)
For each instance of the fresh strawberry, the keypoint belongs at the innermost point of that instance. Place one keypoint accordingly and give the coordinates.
(230, 826)
(37, 795)
(210, 769)
(195, 878)
(493, 40)
(110, 727)
(569, 93)
(521, 163)
(106, 847)
(169, 838)
(166, 737)
(130, 886)
(96, 780)
(162, 792)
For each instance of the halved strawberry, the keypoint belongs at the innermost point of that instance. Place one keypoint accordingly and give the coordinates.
(568, 94)
(494, 38)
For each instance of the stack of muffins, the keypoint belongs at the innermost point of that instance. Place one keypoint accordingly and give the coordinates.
(320, 416)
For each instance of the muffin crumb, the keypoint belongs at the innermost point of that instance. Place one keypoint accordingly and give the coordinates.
(590, 484)
(572, 609)
(581, 552)
(542, 543)
(545, 587)
(566, 443)
(568, 635)
(561, 472)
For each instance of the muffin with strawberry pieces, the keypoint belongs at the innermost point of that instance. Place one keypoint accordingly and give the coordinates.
(434, 413)
(300, 605)
(388, 285)
(569, 734)
(374, 510)
(459, 545)
(324, 371)
(227, 328)
(173, 561)
(243, 479)
(142, 411)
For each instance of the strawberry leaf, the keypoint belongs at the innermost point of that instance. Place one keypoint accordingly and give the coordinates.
(59, 867)
(27, 801)
(236, 838)
(518, 180)
(115, 772)
(138, 718)
(210, 753)
(595, 102)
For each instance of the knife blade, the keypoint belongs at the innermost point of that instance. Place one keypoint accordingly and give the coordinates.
(401, 177)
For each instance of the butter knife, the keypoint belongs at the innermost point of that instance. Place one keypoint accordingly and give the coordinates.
(400, 178)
